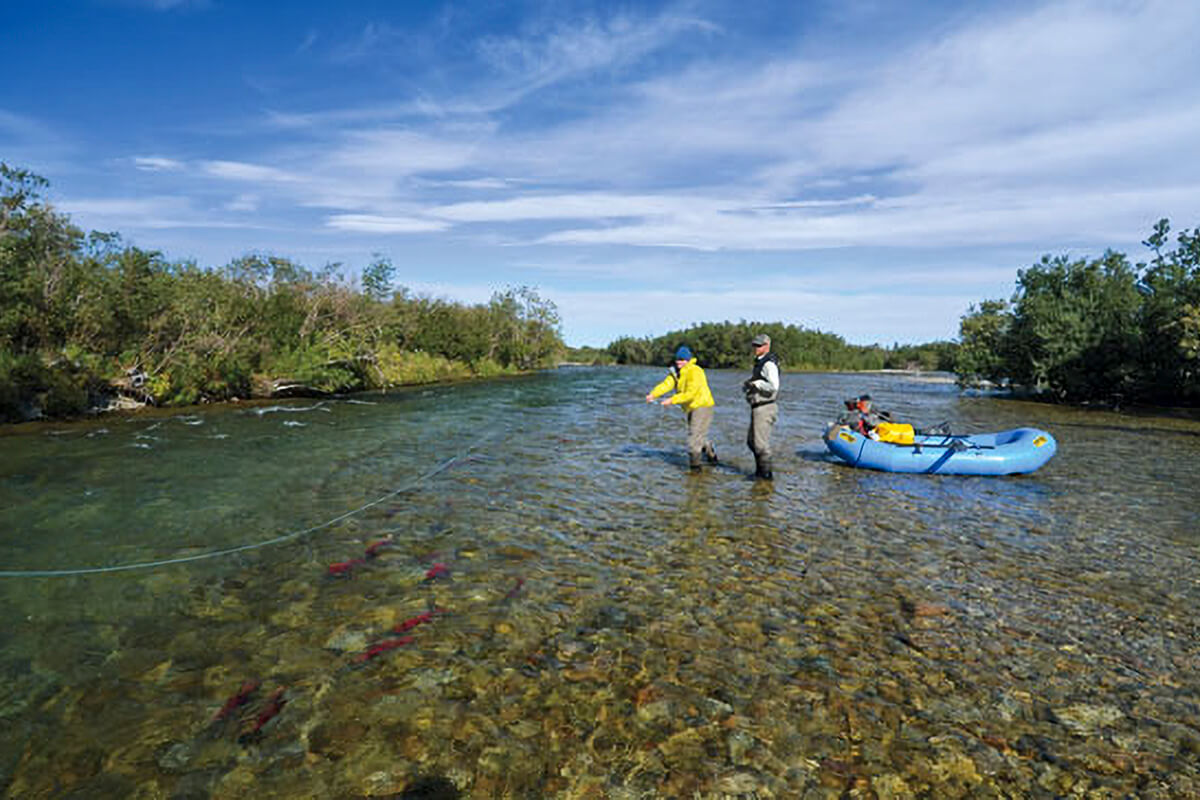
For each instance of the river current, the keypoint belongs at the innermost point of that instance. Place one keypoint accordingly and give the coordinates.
(515, 588)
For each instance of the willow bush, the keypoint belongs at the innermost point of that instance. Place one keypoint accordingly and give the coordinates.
(1095, 330)
(82, 316)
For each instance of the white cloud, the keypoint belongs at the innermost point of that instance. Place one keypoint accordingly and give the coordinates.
(310, 39)
(565, 50)
(935, 145)
(919, 221)
(370, 223)
(28, 143)
(244, 203)
(169, 5)
(156, 164)
(240, 171)
(473, 183)
(1008, 74)
(597, 206)
(20, 124)
(1134, 148)
(372, 38)
(142, 213)
(400, 152)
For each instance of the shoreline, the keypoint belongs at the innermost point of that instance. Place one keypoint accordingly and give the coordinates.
(151, 411)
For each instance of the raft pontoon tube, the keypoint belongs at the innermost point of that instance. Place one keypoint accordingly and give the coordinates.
(1017, 451)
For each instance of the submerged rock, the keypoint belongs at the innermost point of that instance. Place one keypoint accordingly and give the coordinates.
(1085, 720)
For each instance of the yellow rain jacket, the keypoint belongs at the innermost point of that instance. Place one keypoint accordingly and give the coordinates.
(691, 388)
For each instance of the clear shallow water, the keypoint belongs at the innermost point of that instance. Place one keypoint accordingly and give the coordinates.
(616, 627)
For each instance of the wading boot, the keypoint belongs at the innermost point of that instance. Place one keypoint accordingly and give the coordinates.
(710, 453)
(762, 468)
(694, 462)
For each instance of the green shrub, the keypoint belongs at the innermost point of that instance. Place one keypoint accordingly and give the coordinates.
(65, 392)
(201, 334)
(401, 368)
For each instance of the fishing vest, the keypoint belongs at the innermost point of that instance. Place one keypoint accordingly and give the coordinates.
(757, 398)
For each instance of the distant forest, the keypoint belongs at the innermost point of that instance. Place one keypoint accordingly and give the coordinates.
(86, 319)
(1075, 331)
(727, 344)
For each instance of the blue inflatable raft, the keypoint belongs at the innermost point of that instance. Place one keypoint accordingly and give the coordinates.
(1017, 451)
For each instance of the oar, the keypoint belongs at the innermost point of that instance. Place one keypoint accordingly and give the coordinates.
(954, 443)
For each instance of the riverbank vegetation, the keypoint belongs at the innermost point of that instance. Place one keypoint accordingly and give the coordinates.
(726, 345)
(1098, 330)
(1079, 331)
(87, 317)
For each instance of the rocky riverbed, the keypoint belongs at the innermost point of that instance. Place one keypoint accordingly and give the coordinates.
(554, 608)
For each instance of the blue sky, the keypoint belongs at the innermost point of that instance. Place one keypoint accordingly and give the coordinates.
(865, 168)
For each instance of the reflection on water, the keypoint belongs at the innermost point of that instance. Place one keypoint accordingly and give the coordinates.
(564, 611)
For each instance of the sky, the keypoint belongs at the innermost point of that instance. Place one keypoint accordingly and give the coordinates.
(869, 168)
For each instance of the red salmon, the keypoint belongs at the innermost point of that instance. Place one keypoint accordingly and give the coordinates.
(419, 619)
(382, 647)
(374, 547)
(438, 570)
(237, 700)
(345, 568)
(270, 710)
(515, 590)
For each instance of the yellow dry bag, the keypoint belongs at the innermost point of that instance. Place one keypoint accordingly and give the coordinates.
(894, 432)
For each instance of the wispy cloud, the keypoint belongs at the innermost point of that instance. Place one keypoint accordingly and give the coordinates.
(620, 146)
(310, 39)
(19, 124)
(244, 202)
(996, 133)
(563, 51)
(169, 5)
(372, 38)
(145, 213)
(157, 163)
(1063, 67)
(594, 206)
(369, 223)
(988, 134)
(403, 151)
(24, 138)
(240, 171)
(920, 221)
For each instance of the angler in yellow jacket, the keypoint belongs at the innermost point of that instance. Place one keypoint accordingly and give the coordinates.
(690, 385)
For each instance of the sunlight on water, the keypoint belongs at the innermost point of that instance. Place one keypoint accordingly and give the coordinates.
(516, 589)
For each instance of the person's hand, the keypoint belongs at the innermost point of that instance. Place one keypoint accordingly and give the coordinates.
(666, 402)
(649, 399)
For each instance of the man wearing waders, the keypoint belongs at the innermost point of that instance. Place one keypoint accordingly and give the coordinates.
(690, 385)
(762, 390)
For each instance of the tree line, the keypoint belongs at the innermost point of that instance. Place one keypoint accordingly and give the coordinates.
(1098, 330)
(1080, 331)
(85, 315)
(726, 345)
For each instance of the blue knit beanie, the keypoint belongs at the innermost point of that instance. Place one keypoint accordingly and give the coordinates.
(683, 353)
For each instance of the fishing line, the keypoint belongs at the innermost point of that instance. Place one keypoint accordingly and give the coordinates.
(61, 573)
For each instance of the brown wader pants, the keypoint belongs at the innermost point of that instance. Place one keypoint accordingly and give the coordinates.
(698, 422)
(758, 438)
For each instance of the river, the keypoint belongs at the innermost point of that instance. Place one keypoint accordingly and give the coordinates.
(515, 588)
